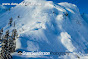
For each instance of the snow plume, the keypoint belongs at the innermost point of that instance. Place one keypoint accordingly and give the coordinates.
(66, 41)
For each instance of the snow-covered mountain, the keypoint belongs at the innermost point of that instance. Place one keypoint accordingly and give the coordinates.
(45, 26)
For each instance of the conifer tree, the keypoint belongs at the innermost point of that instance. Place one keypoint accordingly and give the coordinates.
(5, 53)
(8, 42)
(1, 33)
(10, 21)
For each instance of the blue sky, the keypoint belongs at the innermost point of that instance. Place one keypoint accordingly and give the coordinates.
(82, 4)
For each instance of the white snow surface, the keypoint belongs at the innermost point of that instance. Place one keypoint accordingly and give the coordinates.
(43, 26)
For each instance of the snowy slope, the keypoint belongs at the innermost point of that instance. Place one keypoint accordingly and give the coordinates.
(45, 27)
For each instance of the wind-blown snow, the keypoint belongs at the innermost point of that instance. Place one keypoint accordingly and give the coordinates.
(66, 41)
(45, 27)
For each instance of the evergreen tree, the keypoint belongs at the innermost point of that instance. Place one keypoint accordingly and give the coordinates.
(8, 42)
(14, 24)
(18, 16)
(66, 14)
(11, 45)
(7, 34)
(5, 47)
(10, 21)
(14, 33)
(1, 33)
(9, 9)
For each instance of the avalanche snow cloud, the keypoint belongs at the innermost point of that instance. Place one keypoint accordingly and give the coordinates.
(45, 26)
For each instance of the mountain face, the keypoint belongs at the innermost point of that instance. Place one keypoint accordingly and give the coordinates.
(45, 26)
